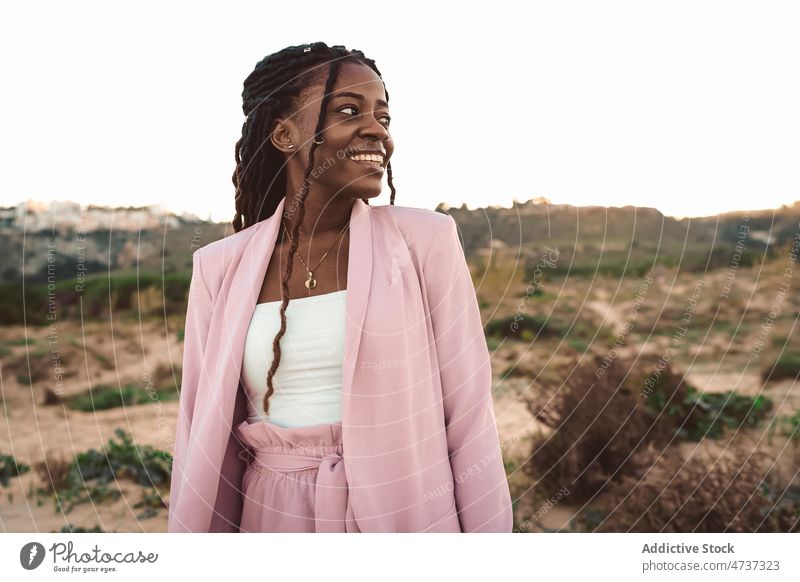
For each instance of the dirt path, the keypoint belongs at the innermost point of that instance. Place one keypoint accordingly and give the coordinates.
(613, 316)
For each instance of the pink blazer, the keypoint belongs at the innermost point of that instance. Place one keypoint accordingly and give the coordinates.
(421, 448)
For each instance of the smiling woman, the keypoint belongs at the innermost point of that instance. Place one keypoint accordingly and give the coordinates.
(323, 436)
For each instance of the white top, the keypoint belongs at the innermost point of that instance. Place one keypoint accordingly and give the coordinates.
(308, 381)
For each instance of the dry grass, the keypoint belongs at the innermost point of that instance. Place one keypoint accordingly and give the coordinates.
(599, 424)
(54, 473)
(732, 493)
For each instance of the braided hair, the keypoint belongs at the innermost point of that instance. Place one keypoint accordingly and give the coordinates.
(272, 90)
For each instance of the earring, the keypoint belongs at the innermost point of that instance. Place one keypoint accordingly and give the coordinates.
(290, 146)
(321, 140)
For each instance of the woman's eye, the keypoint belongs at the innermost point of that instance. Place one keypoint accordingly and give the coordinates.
(386, 117)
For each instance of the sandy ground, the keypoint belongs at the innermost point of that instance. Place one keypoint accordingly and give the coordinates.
(33, 431)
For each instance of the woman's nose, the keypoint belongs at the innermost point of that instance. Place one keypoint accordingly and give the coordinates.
(373, 127)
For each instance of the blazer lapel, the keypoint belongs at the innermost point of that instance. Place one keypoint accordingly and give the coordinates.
(359, 279)
(236, 309)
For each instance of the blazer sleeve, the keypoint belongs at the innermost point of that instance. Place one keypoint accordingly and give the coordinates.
(481, 488)
(198, 319)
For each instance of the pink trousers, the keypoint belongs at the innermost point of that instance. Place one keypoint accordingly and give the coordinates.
(295, 479)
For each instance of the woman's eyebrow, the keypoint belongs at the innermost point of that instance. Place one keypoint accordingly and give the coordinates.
(380, 102)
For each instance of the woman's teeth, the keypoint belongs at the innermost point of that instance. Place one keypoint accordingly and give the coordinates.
(367, 158)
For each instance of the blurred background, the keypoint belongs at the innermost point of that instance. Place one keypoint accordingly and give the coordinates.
(624, 178)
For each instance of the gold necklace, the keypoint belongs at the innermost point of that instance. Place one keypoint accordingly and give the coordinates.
(311, 282)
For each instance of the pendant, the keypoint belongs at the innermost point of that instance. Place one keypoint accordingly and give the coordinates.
(311, 282)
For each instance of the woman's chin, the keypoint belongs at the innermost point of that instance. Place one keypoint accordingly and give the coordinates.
(364, 192)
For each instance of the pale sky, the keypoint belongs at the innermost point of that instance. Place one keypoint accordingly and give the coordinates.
(690, 107)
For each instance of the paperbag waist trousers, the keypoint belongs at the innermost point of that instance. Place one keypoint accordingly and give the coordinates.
(295, 479)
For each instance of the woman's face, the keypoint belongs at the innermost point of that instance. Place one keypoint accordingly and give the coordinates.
(356, 124)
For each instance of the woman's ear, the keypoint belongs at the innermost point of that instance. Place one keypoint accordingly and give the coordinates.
(281, 137)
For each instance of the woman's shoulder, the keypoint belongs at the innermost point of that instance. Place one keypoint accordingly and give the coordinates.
(417, 226)
(215, 254)
(411, 220)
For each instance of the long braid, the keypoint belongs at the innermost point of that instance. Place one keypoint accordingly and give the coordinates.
(391, 183)
(301, 211)
(272, 90)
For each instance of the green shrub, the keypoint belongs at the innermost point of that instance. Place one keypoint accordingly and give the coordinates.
(517, 326)
(103, 397)
(69, 528)
(123, 460)
(152, 502)
(537, 291)
(10, 467)
(578, 345)
(789, 425)
(698, 415)
(779, 341)
(90, 473)
(99, 295)
(513, 371)
(786, 366)
(94, 493)
(492, 343)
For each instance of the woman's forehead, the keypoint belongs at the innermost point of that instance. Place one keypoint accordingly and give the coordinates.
(351, 79)
(357, 78)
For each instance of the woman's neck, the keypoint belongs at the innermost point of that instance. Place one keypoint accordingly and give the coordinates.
(321, 218)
